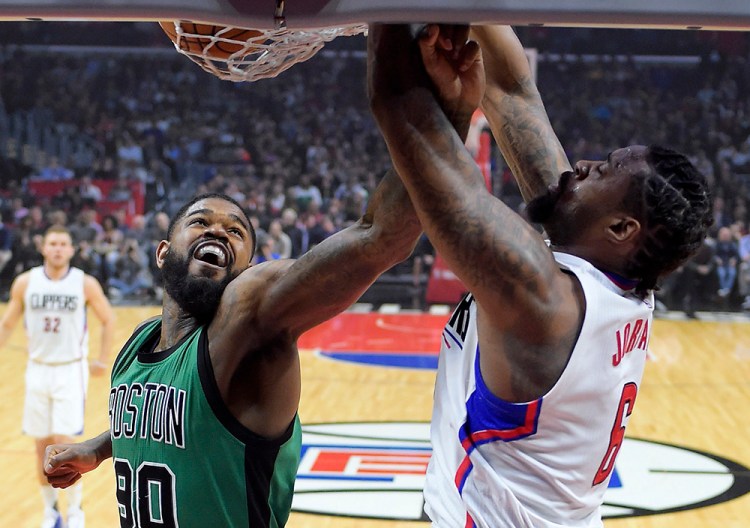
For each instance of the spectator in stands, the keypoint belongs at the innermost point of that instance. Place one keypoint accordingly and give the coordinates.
(353, 207)
(305, 193)
(120, 191)
(157, 231)
(57, 217)
(138, 231)
(319, 228)
(158, 180)
(25, 249)
(129, 150)
(130, 276)
(277, 198)
(265, 250)
(741, 159)
(6, 243)
(107, 243)
(85, 227)
(350, 187)
(158, 227)
(38, 223)
(743, 276)
(727, 258)
(54, 171)
(697, 277)
(68, 200)
(18, 209)
(104, 168)
(90, 193)
(133, 171)
(87, 259)
(721, 216)
(280, 241)
(296, 231)
(704, 165)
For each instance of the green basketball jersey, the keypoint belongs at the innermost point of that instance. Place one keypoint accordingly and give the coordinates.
(180, 457)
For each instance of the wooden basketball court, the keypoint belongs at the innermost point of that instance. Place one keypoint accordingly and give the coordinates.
(695, 395)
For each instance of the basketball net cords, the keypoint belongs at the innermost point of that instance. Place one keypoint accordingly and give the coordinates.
(264, 55)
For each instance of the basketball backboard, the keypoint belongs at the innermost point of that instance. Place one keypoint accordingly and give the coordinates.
(678, 14)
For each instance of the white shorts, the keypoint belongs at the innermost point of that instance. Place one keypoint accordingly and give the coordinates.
(55, 399)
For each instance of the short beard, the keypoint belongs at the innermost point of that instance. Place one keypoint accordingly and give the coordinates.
(198, 296)
(541, 209)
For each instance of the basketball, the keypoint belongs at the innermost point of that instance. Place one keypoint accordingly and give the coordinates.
(191, 42)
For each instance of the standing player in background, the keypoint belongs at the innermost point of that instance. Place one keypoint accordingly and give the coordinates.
(52, 299)
(204, 429)
(541, 362)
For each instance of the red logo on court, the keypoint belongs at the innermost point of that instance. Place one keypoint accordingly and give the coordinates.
(364, 462)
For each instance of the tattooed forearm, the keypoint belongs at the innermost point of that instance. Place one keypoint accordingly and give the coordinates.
(486, 243)
(526, 139)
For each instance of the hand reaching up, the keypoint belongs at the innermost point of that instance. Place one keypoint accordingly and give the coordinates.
(454, 65)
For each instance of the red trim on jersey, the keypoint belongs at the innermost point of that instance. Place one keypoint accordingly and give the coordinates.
(527, 428)
(463, 470)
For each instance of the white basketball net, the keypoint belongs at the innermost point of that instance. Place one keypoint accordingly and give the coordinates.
(263, 56)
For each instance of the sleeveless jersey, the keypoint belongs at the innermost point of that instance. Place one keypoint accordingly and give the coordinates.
(544, 463)
(55, 317)
(180, 456)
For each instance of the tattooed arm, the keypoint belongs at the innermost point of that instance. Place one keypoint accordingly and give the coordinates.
(516, 114)
(253, 336)
(528, 309)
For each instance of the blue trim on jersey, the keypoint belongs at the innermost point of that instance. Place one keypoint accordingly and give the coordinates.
(454, 338)
(463, 474)
(490, 418)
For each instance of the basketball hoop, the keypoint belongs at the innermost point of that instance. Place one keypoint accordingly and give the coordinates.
(256, 53)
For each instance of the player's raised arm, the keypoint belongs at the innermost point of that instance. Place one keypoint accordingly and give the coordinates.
(516, 113)
(331, 276)
(498, 255)
(265, 309)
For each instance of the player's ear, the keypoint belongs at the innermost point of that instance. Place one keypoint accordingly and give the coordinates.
(161, 253)
(624, 229)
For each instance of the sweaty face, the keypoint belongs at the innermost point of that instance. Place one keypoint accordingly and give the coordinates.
(211, 246)
(581, 198)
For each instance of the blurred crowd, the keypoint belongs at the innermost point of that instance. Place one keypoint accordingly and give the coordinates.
(302, 155)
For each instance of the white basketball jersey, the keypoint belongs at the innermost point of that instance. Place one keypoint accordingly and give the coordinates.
(545, 463)
(55, 317)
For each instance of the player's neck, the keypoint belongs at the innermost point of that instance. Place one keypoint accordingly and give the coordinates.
(56, 273)
(175, 325)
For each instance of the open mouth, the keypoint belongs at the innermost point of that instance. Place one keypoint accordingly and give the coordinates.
(212, 253)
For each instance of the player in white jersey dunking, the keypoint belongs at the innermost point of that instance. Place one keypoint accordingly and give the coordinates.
(52, 299)
(541, 363)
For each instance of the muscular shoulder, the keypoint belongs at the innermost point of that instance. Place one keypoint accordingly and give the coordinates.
(247, 298)
(20, 283)
(91, 285)
(256, 280)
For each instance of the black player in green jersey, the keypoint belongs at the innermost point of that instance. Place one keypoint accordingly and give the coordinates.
(203, 404)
